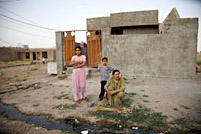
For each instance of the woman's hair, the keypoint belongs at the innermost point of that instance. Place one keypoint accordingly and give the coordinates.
(114, 71)
(79, 48)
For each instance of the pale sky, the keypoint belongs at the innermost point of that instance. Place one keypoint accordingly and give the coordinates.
(65, 15)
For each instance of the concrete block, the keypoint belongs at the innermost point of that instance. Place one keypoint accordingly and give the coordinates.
(52, 67)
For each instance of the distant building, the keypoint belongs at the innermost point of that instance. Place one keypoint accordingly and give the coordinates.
(28, 54)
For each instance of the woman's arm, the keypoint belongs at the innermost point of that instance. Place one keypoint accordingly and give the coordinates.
(117, 91)
(75, 62)
(81, 65)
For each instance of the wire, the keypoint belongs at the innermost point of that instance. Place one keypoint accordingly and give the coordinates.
(27, 26)
(25, 32)
(1, 1)
(18, 15)
(5, 42)
(28, 23)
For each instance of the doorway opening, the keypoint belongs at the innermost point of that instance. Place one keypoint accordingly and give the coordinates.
(34, 55)
(88, 40)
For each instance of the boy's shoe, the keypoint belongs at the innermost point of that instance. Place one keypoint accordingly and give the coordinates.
(77, 101)
(100, 99)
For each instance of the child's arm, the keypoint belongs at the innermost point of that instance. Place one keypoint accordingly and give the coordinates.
(98, 69)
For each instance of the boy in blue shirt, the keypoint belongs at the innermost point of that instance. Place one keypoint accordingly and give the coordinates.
(105, 71)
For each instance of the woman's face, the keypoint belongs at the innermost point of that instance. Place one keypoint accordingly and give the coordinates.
(116, 75)
(78, 51)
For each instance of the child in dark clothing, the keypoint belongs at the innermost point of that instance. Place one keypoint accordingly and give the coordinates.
(105, 71)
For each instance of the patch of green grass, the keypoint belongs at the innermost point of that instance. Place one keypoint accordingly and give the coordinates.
(15, 76)
(64, 96)
(145, 95)
(142, 90)
(185, 107)
(35, 105)
(36, 87)
(145, 101)
(127, 102)
(179, 131)
(73, 106)
(93, 105)
(175, 109)
(125, 78)
(131, 94)
(64, 106)
(24, 79)
(139, 115)
(181, 121)
(34, 69)
(18, 85)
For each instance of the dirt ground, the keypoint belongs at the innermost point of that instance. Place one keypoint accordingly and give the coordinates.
(33, 92)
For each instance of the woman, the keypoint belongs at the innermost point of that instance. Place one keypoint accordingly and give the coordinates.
(78, 62)
(115, 87)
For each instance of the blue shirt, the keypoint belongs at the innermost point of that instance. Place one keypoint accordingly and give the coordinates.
(105, 72)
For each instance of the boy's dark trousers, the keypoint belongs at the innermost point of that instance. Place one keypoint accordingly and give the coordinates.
(101, 95)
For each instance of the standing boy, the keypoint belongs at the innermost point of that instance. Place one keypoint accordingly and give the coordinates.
(105, 71)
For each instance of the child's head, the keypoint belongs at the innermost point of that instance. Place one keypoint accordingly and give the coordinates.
(104, 60)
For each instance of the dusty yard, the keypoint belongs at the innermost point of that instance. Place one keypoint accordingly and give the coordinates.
(33, 92)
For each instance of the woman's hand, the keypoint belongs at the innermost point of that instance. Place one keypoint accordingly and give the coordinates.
(74, 67)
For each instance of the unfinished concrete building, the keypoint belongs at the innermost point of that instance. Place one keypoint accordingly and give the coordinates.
(29, 54)
(139, 46)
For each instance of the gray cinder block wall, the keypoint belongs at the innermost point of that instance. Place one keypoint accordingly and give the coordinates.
(59, 52)
(171, 52)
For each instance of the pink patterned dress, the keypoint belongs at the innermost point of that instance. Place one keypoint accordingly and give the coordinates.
(79, 79)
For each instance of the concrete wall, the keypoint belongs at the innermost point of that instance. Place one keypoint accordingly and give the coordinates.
(134, 18)
(59, 52)
(98, 23)
(141, 31)
(8, 54)
(172, 54)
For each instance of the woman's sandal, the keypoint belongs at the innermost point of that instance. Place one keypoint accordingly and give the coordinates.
(77, 101)
(86, 99)
(107, 104)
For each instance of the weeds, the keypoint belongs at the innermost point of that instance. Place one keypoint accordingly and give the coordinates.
(145, 101)
(127, 102)
(181, 121)
(185, 107)
(131, 94)
(36, 87)
(34, 69)
(35, 105)
(64, 106)
(24, 79)
(93, 105)
(139, 115)
(64, 96)
(18, 85)
(145, 95)
(175, 109)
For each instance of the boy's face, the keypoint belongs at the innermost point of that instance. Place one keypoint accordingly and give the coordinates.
(104, 62)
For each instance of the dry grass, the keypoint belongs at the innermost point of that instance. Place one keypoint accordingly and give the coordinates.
(12, 63)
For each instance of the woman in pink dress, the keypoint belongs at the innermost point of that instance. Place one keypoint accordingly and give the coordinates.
(78, 62)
